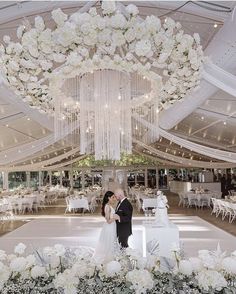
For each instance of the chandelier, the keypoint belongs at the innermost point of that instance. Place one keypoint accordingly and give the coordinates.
(99, 71)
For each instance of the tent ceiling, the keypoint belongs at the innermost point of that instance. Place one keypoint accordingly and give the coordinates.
(212, 124)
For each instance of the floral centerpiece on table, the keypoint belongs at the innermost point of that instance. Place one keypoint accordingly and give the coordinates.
(62, 270)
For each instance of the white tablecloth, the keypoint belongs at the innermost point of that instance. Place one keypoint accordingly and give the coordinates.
(149, 202)
(78, 203)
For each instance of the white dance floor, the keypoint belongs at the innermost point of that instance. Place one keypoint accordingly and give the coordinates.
(195, 233)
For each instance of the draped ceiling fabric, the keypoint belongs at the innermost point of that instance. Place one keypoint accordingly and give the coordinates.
(216, 75)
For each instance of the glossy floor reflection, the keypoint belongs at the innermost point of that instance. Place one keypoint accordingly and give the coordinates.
(195, 233)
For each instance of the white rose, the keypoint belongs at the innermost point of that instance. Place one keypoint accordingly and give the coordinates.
(118, 21)
(24, 76)
(39, 23)
(33, 51)
(132, 9)
(143, 48)
(13, 65)
(185, 267)
(153, 24)
(105, 36)
(65, 35)
(118, 38)
(6, 39)
(38, 271)
(58, 57)
(112, 268)
(46, 65)
(20, 31)
(59, 16)
(108, 7)
(196, 38)
(130, 35)
(20, 249)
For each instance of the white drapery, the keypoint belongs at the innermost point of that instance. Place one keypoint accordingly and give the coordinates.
(214, 153)
(220, 78)
(184, 161)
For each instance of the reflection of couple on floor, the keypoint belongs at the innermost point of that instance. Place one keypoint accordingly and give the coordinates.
(118, 226)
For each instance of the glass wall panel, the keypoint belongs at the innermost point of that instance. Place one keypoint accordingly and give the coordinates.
(1, 180)
(55, 178)
(141, 178)
(151, 174)
(17, 179)
(77, 179)
(34, 180)
(131, 179)
(65, 178)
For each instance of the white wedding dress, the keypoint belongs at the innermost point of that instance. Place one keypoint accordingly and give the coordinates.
(107, 242)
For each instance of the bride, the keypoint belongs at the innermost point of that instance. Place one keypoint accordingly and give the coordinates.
(105, 249)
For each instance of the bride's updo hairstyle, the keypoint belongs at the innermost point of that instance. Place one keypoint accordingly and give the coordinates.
(105, 200)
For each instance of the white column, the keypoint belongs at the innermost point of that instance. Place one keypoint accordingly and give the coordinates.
(125, 180)
(82, 180)
(145, 178)
(135, 177)
(167, 178)
(5, 180)
(27, 179)
(60, 178)
(71, 178)
(40, 178)
(92, 180)
(50, 178)
(157, 178)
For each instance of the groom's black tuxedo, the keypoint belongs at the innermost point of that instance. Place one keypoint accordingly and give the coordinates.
(124, 226)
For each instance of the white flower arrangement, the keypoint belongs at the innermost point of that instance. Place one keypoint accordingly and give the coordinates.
(84, 42)
(77, 273)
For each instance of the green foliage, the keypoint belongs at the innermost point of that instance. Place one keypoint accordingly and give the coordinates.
(126, 160)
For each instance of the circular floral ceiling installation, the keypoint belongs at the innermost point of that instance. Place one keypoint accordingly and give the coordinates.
(83, 42)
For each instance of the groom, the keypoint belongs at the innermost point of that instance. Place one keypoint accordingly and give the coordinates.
(123, 218)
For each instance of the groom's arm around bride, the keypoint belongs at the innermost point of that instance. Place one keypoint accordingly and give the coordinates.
(123, 216)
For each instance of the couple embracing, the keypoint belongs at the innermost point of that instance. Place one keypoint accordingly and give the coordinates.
(117, 228)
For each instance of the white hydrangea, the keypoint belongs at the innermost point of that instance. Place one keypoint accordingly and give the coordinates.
(211, 279)
(20, 249)
(38, 271)
(60, 250)
(66, 281)
(112, 268)
(141, 280)
(18, 264)
(196, 263)
(185, 267)
(5, 274)
(229, 265)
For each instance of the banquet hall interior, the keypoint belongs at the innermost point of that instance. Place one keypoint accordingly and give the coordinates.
(131, 95)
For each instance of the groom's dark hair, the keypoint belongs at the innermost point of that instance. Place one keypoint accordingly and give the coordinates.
(105, 200)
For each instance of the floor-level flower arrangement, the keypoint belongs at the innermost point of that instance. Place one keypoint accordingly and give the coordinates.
(65, 270)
